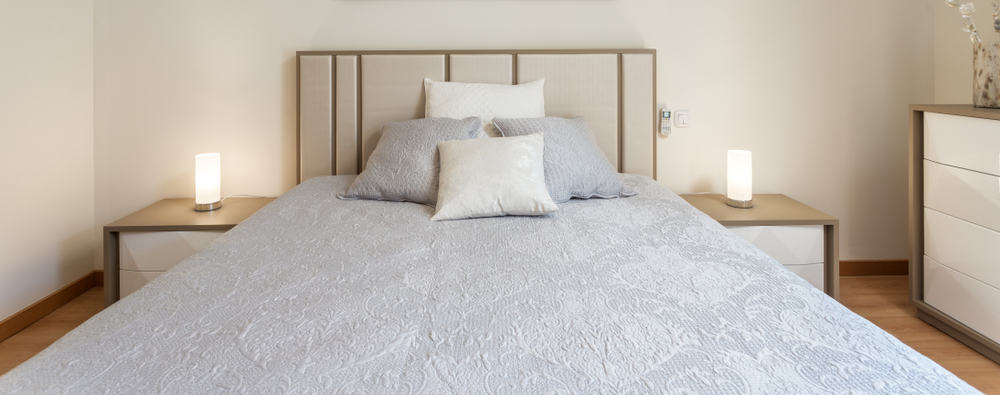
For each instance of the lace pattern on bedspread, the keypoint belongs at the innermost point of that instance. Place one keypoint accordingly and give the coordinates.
(314, 295)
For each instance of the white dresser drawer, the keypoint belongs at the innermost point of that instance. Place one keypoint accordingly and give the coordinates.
(130, 281)
(963, 246)
(967, 142)
(159, 251)
(971, 302)
(969, 195)
(790, 245)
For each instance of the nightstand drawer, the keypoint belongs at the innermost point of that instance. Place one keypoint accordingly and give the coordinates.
(130, 281)
(788, 244)
(811, 272)
(159, 251)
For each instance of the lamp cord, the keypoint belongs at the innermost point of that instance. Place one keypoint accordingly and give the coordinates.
(242, 196)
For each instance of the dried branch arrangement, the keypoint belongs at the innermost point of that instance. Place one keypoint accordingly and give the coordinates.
(968, 9)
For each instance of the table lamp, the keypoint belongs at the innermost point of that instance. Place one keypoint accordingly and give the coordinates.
(739, 179)
(207, 180)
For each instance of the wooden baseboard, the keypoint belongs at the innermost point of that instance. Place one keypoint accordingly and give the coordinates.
(874, 268)
(48, 304)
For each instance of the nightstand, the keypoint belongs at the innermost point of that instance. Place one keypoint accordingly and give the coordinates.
(800, 237)
(148, 242)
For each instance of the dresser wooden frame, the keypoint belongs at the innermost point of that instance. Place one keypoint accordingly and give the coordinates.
(925, 311)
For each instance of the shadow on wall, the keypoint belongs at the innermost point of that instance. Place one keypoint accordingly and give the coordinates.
(469, 1)
(704, 183)
(289, 140)
(475, 24)
(76, 254)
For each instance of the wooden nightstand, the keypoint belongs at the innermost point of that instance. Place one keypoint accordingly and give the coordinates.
(146, 243)
(800, 237)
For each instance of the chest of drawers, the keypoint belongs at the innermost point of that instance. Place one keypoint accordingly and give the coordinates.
(955, 222)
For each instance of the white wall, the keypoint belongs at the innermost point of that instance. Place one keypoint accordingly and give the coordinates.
(818, 89)
(46, 148)
(953, 51)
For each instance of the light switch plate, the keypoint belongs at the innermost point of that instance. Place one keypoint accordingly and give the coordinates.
(682, 118)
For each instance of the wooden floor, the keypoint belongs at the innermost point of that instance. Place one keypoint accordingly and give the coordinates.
(883, 300)
(35, 338)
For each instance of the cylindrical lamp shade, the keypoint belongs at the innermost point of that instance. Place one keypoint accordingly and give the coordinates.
(207, 181)
(739, 179)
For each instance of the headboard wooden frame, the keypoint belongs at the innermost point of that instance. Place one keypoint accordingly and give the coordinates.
(345, 97)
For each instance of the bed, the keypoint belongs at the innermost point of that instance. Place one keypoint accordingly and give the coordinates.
(314, 294)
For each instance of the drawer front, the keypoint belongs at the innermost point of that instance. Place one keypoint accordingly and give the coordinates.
(811, 272)
(965, 247)
(789, 245)
(130, 281)
(159, 251)
(969, 195)
(967, 142)
(971, 302)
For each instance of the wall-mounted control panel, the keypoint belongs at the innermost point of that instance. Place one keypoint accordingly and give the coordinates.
(673, 118)
(666, 121)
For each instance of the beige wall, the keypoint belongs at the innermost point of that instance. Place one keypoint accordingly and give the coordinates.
(818, 89)
(46, 148)
(953, 51)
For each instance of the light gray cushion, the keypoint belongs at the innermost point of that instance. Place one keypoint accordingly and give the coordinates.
(575, 167)
(404, 165)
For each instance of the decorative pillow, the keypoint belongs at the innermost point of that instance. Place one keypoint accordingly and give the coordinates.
(486, 101)
(575, 167)
(404, 164)
(492, 177)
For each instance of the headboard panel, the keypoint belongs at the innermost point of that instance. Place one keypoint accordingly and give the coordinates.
(345, 97)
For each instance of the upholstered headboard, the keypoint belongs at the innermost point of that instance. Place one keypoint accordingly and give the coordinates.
(345, 97)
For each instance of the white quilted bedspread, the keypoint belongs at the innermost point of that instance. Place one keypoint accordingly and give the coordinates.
(639, 295)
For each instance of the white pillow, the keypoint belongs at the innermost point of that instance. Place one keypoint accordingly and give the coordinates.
(460, 100)
(491, 178)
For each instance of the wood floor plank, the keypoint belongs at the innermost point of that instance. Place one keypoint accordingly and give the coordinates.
(883, 300)
(41, 334)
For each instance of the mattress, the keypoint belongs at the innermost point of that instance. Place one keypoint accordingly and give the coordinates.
(313, 294)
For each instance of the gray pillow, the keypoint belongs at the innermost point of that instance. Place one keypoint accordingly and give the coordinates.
(575, 167)
(404, 164)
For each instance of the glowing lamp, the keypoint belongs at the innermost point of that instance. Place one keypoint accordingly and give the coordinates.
(207, 182)
(739, 179)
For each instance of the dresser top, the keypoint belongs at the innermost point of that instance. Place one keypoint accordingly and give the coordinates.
(768, 210)
(179, 214)
(966, 110)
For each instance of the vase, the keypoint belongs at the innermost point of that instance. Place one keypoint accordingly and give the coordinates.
(986, 75)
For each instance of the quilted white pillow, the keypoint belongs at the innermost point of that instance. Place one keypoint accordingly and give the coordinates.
(461, 100)
(492, 177)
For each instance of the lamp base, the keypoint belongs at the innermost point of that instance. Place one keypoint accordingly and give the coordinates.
(208, 206)
(739, 203)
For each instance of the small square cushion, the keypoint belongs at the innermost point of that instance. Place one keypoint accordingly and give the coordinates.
(404, 164)
(491, 177)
